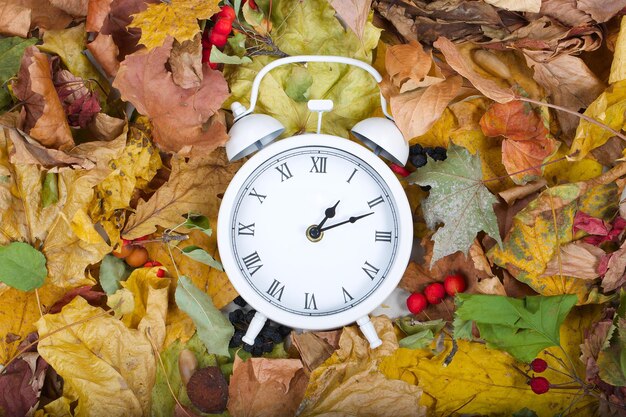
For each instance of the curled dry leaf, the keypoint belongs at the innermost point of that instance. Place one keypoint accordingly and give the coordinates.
(313, 349)
(577, 259)
(407, 61)
(14, 19)
(42, 14)
(511, 195)
(354, 13)
(186, 63)
(528, 143)
(466, 68)
(42, 117)
(261, 387)
(179, 115)
(105, 51)
(532, 6)
(615, 276)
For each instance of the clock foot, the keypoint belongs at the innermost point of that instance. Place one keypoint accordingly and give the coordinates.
(256, 325)
(367, 328)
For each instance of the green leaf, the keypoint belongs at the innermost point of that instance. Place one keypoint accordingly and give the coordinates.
(310, 28)
(522, 327)
(525, 412)
(198, 222)
(213, 328)
(237, 43)
(11, 51)
(410, 325)
(298, 84)
(198, 254)
(219, 57)
(162, 401)
(458, 199)
(418, 340)
(112, 271)
(49, 190)
(22, 266)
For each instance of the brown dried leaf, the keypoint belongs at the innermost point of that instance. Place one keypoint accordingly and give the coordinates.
(518, 192)
(416, 111)
(14, 20)
(577, 259)
(42, 115)
(600, 10)
(466, 68)
(313, 350)
(43, 14)
(354, 13)
(29, 152)
(569, 83)
(407, 61)
(179, 115)
(105, 51)
(193, 186)
(532, 6)
(76, 8)
(349, 383)
(21, 383)
(261, 387)
(186, 63)
(615, 276)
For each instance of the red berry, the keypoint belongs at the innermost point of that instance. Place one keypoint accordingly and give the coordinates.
(217, 39)
(538, 365)
(539, 385)
(206, 54)
(148, 264)
(434, 293)
(252, 4)
(416, 303)
(454, 283)
(160, 273)
(402, 171)
(227, 13)
(223, 26)
(213, 65)
(156, 263)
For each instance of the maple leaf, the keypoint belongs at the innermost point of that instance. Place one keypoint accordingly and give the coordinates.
(178, 18)
(459, 199)
(181, 117)
(528, 143)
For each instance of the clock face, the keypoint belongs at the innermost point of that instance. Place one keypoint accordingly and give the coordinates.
(277, 249)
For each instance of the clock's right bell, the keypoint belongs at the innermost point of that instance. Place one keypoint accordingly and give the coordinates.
(384, 138)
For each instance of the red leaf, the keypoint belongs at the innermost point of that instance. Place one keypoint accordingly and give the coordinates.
(92, 297)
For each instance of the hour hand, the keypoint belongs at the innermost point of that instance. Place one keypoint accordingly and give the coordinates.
(316, 231)
(352, 219)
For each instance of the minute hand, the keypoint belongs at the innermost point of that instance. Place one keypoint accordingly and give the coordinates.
(350, 220)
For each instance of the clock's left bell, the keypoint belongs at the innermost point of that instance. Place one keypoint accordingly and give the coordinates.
(250, 132)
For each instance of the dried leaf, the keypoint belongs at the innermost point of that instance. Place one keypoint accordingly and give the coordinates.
(416, 111)
(528, 143)
(458, 199)
(105, 52)
(615, 276)
(14, 20)
(144, 81)
(354, 13)
(11, 50)
(599, 10)
(42, 14)
(122, 368)
(466, 68)
(261, 387)
(94, 298)
(178, 19)
(186, 63)
(577, 259)
(532, 6)
(43, 116)
(313, 349)
(407, 62)
(349, 382)
(21, 383)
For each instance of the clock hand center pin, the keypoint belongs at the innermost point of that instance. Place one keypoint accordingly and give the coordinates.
(313, 232)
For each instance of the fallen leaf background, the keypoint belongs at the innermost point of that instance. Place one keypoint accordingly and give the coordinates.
(113, 118)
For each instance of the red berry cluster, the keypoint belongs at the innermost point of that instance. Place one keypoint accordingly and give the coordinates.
(218, 33)
(435, 292)
(539, 384)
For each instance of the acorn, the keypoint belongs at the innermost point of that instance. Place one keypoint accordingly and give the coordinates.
(208, 390)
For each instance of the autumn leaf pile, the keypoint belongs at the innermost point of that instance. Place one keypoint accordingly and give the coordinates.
(112, 126)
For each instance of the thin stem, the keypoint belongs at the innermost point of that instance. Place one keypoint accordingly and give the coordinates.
(38, 302)
(169, 250)
(575, 113)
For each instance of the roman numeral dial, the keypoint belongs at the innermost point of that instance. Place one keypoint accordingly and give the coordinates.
(313, 231)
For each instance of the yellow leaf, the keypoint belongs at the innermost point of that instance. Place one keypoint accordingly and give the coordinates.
(178, 18)
(134, 169)
(618, 66)
(146, 287)
(484, 381)
(349, 382)
(99, 360)
(567, 171)
(609, 108)
(545, 224)
(69, 45)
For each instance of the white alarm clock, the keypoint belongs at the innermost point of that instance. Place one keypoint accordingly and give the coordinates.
(314, 231)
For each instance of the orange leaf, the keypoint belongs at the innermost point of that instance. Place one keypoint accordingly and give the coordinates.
(528, 143)
(180, 116)
(42, 116)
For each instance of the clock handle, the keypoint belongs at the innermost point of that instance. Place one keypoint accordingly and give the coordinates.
(256, 325)
(368, 330)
